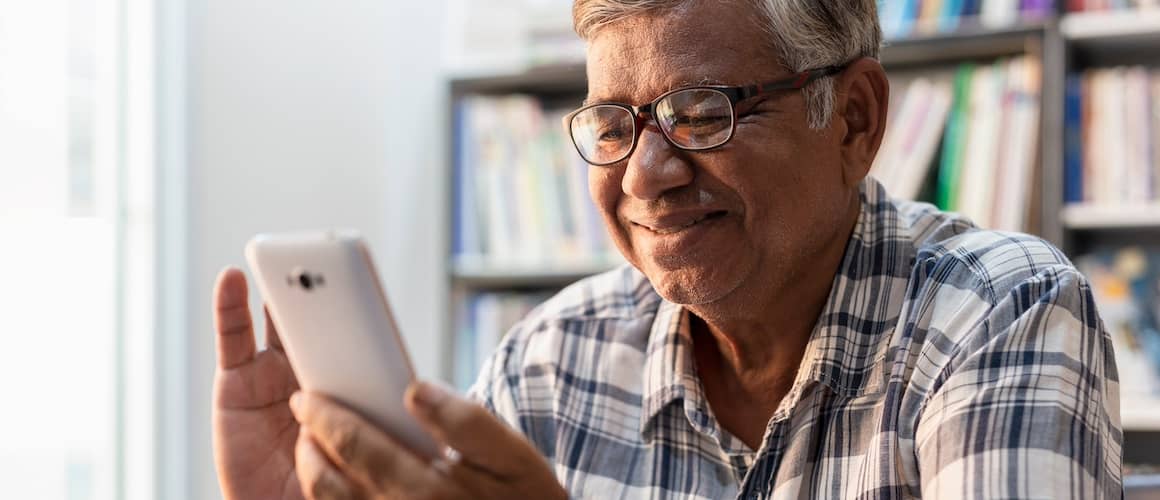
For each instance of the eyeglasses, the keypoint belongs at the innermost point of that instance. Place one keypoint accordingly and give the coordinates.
(691, 119)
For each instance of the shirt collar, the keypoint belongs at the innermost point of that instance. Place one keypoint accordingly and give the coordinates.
(845, 349)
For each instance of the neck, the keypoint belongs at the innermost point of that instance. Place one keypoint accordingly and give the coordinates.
(755, 339)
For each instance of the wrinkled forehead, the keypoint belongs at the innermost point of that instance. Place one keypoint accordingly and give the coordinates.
(636, 59)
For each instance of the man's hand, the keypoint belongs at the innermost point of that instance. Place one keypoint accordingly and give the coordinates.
(253, 429)
(342, 456)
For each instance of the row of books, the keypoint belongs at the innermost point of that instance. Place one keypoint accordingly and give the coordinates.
(1112, 121)
(521, 190)
(1126, 286)
(481, 321)
(905, 18)
(1103, 5)
(975, 133)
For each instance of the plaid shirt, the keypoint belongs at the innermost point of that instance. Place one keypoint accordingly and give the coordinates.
(948, 362)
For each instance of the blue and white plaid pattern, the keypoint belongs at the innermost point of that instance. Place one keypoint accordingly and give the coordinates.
(949, 362)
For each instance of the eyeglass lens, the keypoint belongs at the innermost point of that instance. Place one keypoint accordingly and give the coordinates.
(692, 119)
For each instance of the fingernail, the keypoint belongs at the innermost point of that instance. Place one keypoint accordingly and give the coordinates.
(429, 395)
(296, 402)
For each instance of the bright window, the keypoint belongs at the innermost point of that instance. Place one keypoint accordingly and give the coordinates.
(76, 415)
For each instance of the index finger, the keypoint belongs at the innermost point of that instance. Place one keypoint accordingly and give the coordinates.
(235, 327)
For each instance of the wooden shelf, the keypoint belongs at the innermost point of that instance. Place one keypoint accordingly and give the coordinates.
(1089, 217)
(971, 42)
(478, 273)
(1113, 38)
(967, 43)
(568, 78)
(1145, 483)
(1140, 415)
(1112, 25)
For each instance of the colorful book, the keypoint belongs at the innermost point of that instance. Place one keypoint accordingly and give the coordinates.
(917, 136)
(1019, 147)
(1136, 138)
(997, 14)
(1073, 142)
(952, 11)
(954, 141)
(1117, 160)
(1154, 95)
(929, 16)
(482, 321)
(520, 189)
(978, 170)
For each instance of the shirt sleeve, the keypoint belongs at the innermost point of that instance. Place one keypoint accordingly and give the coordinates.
(1029, 405)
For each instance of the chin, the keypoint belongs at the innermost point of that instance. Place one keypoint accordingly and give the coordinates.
(692, 284)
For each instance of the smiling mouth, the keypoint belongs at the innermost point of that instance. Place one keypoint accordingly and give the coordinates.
(681, 227)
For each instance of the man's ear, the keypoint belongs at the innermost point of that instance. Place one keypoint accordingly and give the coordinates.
(863, 95)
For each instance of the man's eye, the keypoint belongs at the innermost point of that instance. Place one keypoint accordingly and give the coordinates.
(701, 121)
(611, 135)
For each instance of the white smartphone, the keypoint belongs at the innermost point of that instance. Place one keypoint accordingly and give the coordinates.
(331, 312)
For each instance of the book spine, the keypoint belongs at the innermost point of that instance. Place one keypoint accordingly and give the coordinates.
(893, 19)
(1154, 91)
(951, 13)
(466, 367)
(1136, 124)
(461, 204)
(946, 192)
(1073, 145)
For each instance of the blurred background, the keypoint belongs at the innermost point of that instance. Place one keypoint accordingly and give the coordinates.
(142, 142)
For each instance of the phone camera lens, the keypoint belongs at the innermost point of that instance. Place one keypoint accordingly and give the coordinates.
(306, 281)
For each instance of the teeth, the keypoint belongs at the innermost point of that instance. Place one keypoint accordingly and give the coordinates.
(674, 229)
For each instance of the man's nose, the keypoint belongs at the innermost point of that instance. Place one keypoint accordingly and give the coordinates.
(654, 167)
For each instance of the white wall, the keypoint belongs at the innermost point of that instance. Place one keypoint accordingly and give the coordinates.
(308, 114)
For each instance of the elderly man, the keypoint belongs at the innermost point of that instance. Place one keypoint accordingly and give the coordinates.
(785, 329)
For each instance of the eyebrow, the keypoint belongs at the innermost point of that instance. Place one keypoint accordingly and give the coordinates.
(683, 84)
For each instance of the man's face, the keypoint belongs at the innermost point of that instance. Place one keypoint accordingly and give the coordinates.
(739, 220)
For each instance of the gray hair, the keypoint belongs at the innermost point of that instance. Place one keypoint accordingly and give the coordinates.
(807, 34)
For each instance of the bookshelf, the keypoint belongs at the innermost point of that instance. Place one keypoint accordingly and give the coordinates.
(1064, 43)
(1104, 39)
(1132, 29)
(1090, 217)
(1141, 416)
(1099, 40)
(476, 274)
(967, 43)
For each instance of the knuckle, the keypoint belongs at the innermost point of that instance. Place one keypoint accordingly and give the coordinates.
(332, 486)
(475, 415)
(385, 472)
(347, 440)
(322, 487)
(455, 415)
(470, 419)
(316, 489)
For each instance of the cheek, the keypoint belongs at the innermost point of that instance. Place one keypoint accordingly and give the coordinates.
(604, 189)
(791, 183)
